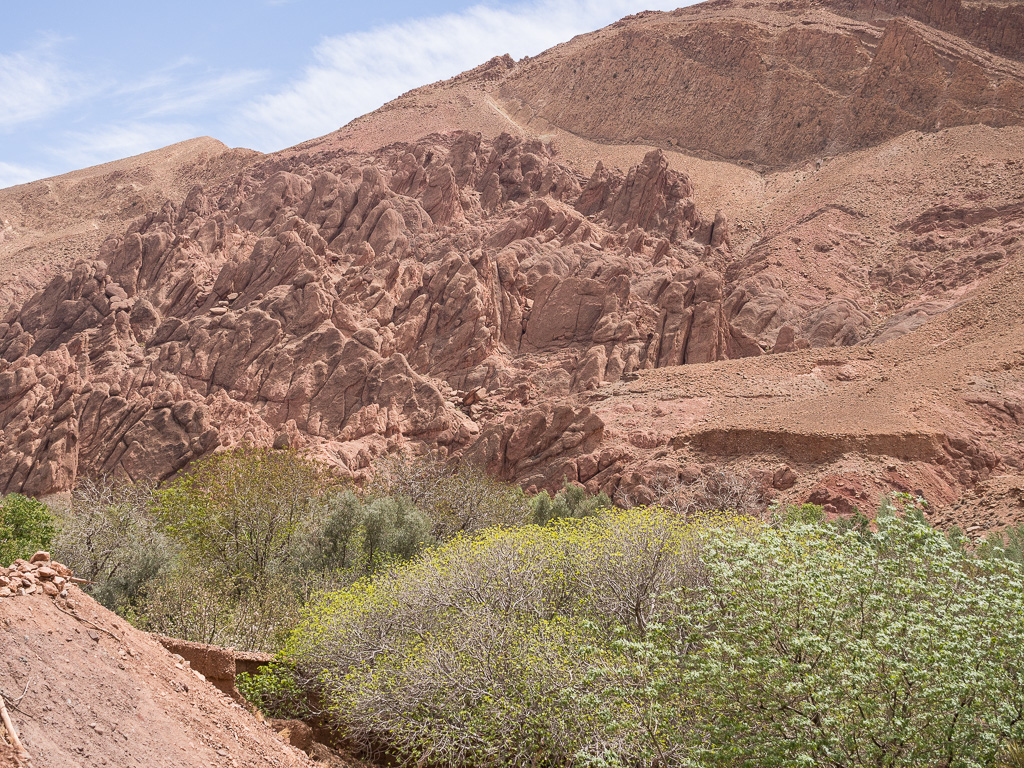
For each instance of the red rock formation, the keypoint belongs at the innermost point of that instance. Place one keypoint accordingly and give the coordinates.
(585, 309)
(341, 308)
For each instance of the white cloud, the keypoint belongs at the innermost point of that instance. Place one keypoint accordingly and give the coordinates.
(355, 73)
(173, 89)
(77, 119)
(101, 145)
(182, 99)
(33, 84)
(12, 174)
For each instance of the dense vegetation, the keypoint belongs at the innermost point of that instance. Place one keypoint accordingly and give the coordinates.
(229, 551)
(444, 618)
(636, 638)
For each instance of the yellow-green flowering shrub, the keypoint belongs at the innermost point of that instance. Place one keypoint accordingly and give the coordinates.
(498, 648)
(635, 638)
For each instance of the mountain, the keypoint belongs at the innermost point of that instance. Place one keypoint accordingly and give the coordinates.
(46, 226)
(782, 238)
(768, 85)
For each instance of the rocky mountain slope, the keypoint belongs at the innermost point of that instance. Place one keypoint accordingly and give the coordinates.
(780, 237)
(765, 84)
(46, 226)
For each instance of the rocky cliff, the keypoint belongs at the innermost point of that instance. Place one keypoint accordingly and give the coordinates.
(360, 305)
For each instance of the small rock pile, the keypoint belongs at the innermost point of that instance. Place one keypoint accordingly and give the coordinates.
(38, 574)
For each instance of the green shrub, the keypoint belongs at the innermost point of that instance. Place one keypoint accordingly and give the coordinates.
(1011, 756)
(243, 512)
(337, 543)
(274, 690)
(795, 514)
(1007, 544)
(571, 502)
(193, 603)
(190, 603)
(393, 528)
(634, 638)
(25, 528)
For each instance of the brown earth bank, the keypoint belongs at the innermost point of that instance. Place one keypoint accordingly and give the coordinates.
(84, 688)
(783, 238)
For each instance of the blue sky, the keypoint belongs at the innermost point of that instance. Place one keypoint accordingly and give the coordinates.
(83, 83)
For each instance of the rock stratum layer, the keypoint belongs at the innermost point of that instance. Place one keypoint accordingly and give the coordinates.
(781, 238)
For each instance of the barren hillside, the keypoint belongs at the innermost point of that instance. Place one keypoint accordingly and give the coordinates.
(85, 688)
(46, 226)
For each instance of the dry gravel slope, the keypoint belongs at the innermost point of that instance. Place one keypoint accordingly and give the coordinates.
(94, 692)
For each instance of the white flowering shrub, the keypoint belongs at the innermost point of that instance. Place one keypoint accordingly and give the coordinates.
(813, 646)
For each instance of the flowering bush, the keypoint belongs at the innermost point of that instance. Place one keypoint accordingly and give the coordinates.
(815, 646)
(635, 638)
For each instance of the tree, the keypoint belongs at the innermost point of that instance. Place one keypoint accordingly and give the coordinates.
(457, 498)
(242, 512)
(25, 527)
(813, 645)
(571, 502)
(109, 535)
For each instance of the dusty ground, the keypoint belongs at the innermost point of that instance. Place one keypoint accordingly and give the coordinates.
(857, 422)
(90, 690)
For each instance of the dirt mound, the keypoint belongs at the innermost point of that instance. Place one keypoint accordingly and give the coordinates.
(772, 86)
(84, 688)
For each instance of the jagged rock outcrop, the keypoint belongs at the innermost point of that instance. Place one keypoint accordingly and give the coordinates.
(741, 233)
(48, 225)
(343, 308)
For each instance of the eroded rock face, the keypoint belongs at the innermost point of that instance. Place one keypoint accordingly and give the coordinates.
(495, 300)
(996, 26)
(346, 308)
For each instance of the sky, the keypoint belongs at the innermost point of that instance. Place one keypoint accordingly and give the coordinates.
(83, 83)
